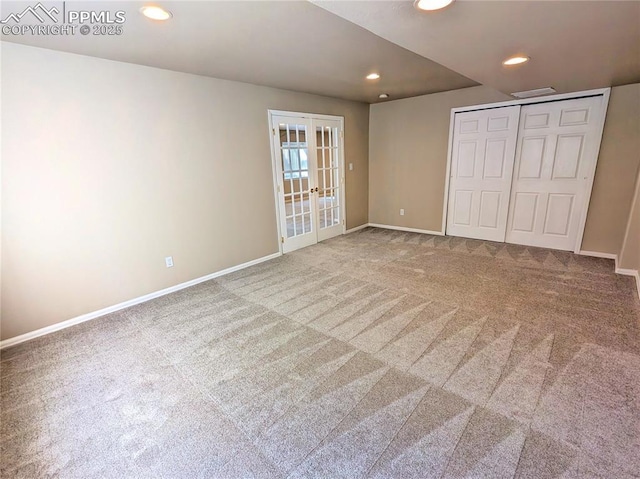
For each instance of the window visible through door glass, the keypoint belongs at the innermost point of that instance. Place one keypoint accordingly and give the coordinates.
(295, 161)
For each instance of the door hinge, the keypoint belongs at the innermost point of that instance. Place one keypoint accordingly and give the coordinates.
(278, 188)
(341, 134)
(274, 131)
(281, 239)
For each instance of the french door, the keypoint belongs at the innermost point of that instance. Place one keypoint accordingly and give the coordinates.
(309, 172)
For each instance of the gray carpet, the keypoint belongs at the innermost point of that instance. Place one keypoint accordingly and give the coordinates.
(377, 354)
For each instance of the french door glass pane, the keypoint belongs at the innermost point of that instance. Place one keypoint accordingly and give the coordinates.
(328, 176)
(295, 172)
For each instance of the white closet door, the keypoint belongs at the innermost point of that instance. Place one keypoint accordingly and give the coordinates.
(484, 144)
(555, 163)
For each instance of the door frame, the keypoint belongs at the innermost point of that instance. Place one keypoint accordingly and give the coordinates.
(605, 93)
(274, 155)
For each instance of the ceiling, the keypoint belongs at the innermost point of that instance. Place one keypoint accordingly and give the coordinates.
(573, 45)
(327, 47)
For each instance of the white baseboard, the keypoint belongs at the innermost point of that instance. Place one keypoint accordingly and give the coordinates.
(618, 270)
(631, 272)
(410, 230)
(357, 228)
(132, 302)
(597, 254)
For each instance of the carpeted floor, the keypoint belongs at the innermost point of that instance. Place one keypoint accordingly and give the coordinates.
(377, 354)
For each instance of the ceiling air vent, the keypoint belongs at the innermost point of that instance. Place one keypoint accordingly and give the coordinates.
(531, 93)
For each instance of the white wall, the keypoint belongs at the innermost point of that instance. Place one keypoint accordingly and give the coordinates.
(408, 143)
(618, 164)
(630, 251)
(108, 167)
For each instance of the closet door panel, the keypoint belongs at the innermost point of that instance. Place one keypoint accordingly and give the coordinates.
(483, 153)
(555, 161)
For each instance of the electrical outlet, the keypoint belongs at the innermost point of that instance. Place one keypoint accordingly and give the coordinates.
(401, 211)
(350, 166)
(169, 261)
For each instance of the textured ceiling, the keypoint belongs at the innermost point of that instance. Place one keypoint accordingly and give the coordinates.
(293, 45)
(327, 47)
(573, 45)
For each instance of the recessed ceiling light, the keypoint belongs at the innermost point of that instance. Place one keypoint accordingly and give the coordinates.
(431, 4)
(155, 13)
(517, 60)
(373, 76)
(383, 96)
